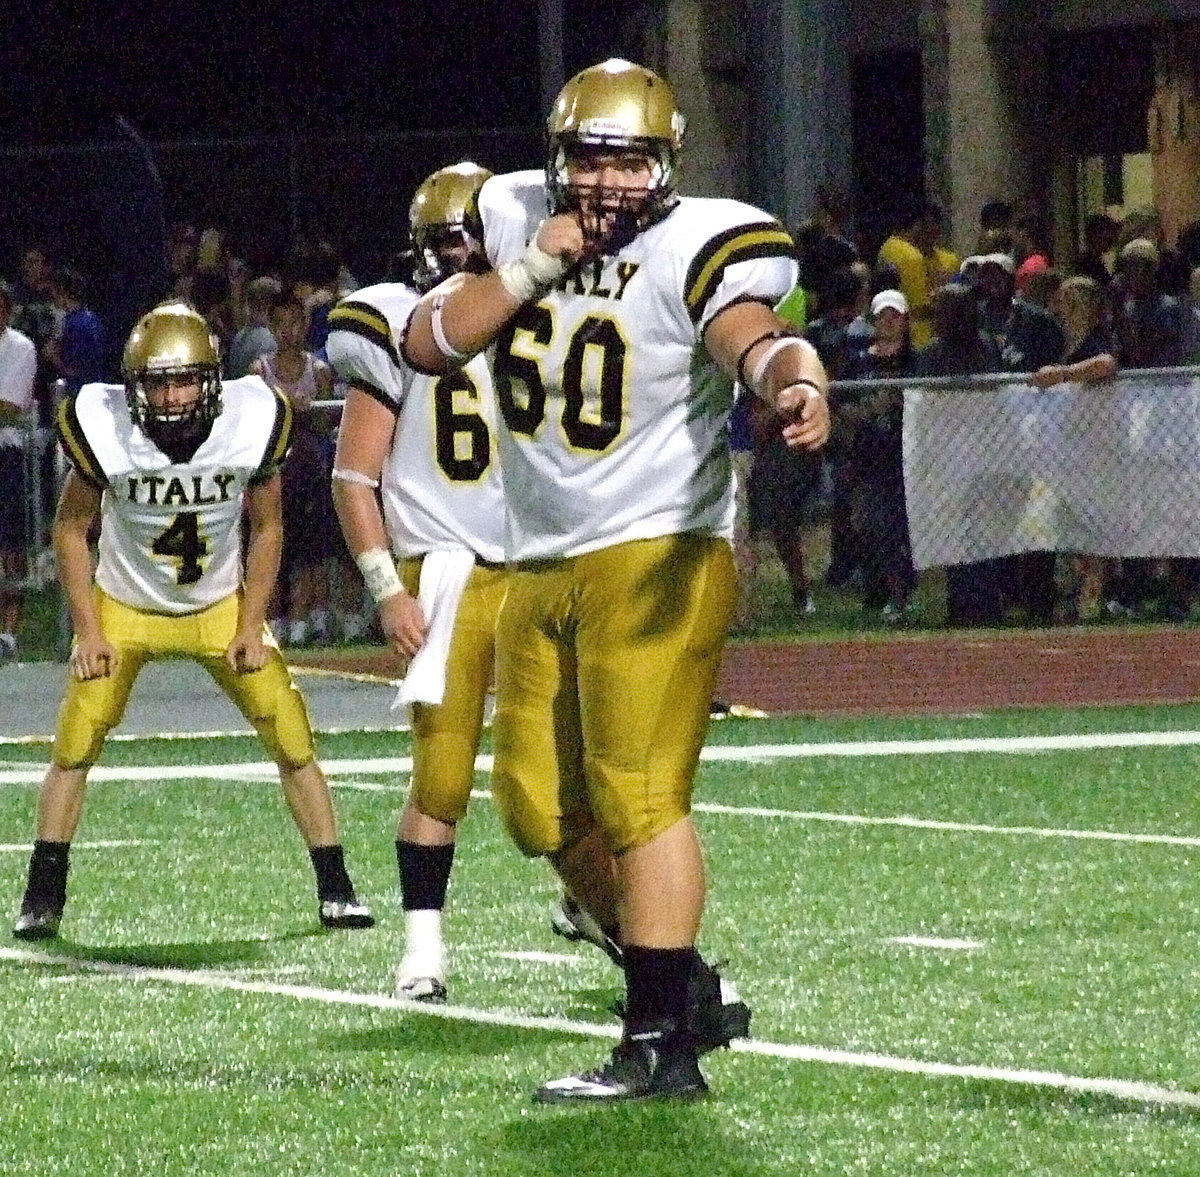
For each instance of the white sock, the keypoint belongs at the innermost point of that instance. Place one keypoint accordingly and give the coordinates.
(423, 933)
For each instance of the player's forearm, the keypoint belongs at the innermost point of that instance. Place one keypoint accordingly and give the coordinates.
(458, 319)
(764, 353)
(359, 516)
(468, 317)
(366, 537)
(262, 567)
(74, 559)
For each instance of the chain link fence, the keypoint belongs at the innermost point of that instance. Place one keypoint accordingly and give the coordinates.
(1007, 504)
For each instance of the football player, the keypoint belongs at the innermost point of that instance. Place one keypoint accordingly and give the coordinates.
(167, 463)
(416, 476)
(620, 501)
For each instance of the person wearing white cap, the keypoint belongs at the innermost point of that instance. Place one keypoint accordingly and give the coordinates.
(1149, 322)
(887, 300)
(873, 443)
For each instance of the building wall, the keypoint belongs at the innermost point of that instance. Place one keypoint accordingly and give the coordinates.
(884, 24)
(766, 90)
(1078, 14)
(705, 48)
(1173, 129)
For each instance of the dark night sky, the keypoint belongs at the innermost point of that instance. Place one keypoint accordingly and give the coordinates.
(314, 73)
(204, 69)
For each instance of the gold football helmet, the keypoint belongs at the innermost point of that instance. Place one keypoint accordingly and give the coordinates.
(438, 219)
(616, 107)
(172, 342)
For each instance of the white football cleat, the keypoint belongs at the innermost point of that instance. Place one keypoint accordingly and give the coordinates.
(572, 922)
(421, 978)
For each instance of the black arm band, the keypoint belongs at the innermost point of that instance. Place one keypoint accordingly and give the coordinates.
(805, 382)
(741, 364)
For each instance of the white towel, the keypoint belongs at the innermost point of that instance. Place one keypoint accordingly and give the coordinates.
(443, 577)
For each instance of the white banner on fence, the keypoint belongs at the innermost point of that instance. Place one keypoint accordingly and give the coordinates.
(1112, 469)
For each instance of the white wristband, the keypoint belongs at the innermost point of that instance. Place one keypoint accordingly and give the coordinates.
(438, 328)
(778, 345)
(379, 571)
(532, 273)
(355, 476)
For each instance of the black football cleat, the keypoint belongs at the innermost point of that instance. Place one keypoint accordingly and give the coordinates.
(655, 1062)
(345, 913)
(715, 1013)
(37, 921)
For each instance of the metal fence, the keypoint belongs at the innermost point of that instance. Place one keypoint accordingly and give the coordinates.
(38, 456)
(984, 470)
(996, 467)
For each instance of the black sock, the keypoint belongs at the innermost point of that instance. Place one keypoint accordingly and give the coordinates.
(333, 883)
(656, 984)
(48, 866)
(424, 874)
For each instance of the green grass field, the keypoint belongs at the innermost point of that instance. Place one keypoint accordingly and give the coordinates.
(962, 960)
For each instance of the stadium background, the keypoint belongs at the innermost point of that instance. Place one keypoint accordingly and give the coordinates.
(327, 115)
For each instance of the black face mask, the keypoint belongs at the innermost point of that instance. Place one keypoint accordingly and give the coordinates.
(179, 440)
(625, 222)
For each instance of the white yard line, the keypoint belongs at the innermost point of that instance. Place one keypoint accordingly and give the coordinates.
(950, 944)
(750, 753)
(399, 766)
(27, 847)
(953, 827)
(965, 744)
(1124, 1089)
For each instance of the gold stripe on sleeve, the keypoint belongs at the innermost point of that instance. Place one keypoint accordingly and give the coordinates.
(739, 244)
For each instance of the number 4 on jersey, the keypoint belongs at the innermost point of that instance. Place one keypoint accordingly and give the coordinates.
(183, 542)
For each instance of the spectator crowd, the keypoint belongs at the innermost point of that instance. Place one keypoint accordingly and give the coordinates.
(914, 310)
(272, 324)
(910, 309)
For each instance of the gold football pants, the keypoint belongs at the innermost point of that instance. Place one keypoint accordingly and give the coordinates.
(605, 668)
(268, 698)
(446, 735)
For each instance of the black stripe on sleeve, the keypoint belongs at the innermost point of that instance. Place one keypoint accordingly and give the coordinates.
(376, 394)
(75, 445)
(361, 318)
(739, 244)
(280, 441)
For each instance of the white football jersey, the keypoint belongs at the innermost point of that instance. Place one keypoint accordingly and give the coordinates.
(441, 485)
(170, 533)
(610, 436)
